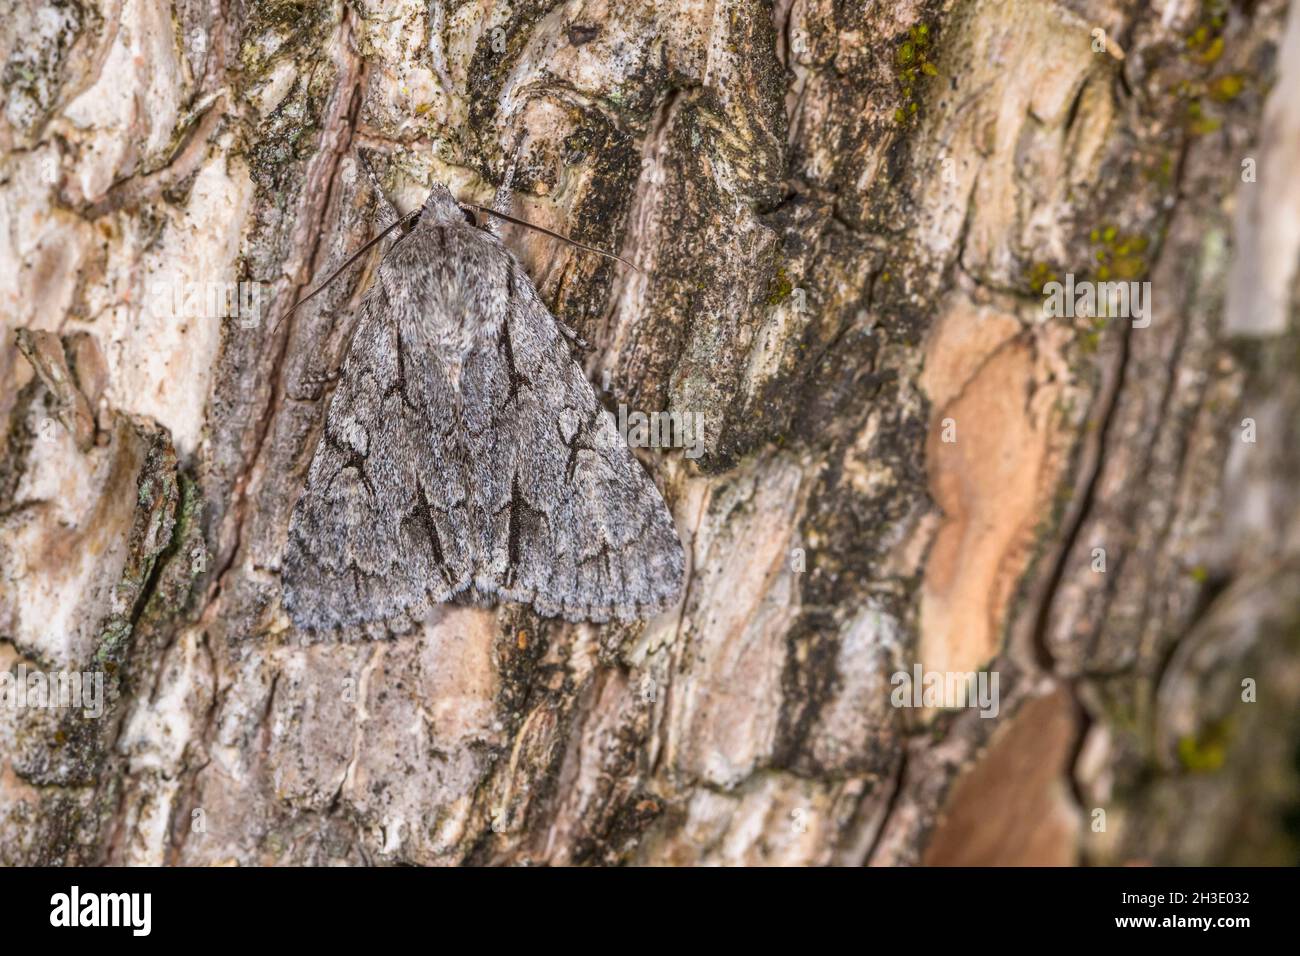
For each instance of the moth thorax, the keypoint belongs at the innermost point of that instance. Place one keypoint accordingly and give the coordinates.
(449, 332)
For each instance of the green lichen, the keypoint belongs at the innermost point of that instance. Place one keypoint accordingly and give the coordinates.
(1118, 255)
(912, 63)
(1196, 119)
(1207, 751)
(1203, 49)
(780, 287)
(1039, 275)
(1227, 87)
(1205, 43)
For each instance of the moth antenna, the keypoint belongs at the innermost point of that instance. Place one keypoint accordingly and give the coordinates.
(553, 235)
(351, 259)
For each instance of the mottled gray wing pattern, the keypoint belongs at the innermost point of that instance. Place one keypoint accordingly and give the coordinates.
(381, 526)
(500, 479)
(565, 517)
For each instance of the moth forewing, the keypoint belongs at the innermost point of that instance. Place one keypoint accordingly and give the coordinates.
(465, 456)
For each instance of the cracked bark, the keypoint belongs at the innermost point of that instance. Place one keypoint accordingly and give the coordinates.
(844, 223)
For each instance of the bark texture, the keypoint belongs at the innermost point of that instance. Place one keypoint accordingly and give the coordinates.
(845, 214)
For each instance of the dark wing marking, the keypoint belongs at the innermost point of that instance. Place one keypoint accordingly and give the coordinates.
(381, 527)
(566, 518)
(512, 486)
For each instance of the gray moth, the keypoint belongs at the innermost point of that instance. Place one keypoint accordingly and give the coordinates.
(465, 457)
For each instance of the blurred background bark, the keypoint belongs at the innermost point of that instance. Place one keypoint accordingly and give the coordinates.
(845, 214)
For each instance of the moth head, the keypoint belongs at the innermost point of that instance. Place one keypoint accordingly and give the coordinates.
(440, 206)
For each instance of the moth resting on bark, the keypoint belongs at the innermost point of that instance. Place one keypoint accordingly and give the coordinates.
(465, 457)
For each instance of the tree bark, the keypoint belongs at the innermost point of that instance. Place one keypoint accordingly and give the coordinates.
(847, 218)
